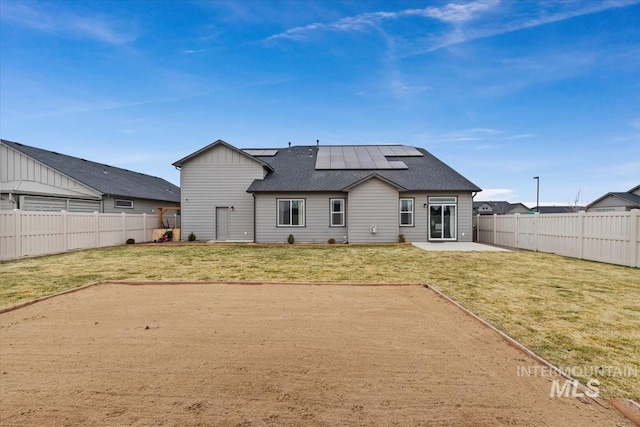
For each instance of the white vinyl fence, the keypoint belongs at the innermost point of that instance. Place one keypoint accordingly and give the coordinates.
(25, 233)
(612, 237)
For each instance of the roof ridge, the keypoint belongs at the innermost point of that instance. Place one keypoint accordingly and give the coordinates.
(76, 157)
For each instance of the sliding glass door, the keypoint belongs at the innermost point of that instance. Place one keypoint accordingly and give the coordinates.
(443, 220)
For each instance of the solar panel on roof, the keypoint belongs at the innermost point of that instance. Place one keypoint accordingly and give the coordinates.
(351, 158)
(387, 150)
(323, 159)
(363, 157)
(398, 164)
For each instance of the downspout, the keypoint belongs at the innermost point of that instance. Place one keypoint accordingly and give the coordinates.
(254, 217)
(475, 233)
(182, 197)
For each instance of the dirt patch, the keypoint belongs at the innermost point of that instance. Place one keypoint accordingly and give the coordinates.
(268, 355)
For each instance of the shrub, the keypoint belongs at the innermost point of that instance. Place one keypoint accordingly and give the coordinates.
(331, 241)
(291, 239)
(192, 237)
(401, 238)
(131, 241)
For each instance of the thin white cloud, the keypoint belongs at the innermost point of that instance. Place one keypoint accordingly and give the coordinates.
(450, 13)
(403, 90)
(193, 51)
(457, 13)
(72, 106)
(459, 34)
(54, 20)
(481, 139)
(474, 134)
(520, 136)
(464, 21)
(634, 136)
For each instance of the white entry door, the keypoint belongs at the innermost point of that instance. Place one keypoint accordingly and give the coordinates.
(222, 223)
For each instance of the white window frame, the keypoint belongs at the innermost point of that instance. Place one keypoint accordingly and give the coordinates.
(444, 202)
(341, 212)
(411, 211)
(301, 214)
(128, 202)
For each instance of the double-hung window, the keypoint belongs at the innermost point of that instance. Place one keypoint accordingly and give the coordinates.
(337, 212)
(406, 212)
(290, 212)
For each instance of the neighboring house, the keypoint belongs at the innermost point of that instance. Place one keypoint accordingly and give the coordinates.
(558, 209)
(39, 180)
(348, 193)
(612, 202)
(499, 208)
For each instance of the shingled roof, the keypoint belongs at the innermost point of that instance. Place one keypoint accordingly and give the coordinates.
(632, 200)
(108, 180)
(294, 169)
(497, 206)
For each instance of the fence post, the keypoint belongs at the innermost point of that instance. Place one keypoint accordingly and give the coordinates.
(65, 231)
(581, 234)
(634, 237)
(144, 227)
(96, 219)
(17, 227)
(516, 220)
(477, 228)
(124, 227)
(495, 222)
(535, 230)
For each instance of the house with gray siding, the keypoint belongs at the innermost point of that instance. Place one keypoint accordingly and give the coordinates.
(498, 208)
(34, 179)
(356, 194)
(617, 201)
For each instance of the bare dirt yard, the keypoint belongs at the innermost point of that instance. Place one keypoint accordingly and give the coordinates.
(241, 355)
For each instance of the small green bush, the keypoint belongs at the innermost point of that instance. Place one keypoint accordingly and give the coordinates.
(401, 238)
(192, 237)
(131, 241)
(291, 239)
(331, 241)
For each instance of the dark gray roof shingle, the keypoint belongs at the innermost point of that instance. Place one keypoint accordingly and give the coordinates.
(630, 197)
(294, 170)
(108, 180)
(558, 209)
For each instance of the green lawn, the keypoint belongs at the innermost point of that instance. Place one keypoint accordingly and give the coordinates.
(571, 312)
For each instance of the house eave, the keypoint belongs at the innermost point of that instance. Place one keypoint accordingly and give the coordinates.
(179, 163)
(373, 176)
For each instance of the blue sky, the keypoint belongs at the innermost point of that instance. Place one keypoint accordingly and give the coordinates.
(500, 90)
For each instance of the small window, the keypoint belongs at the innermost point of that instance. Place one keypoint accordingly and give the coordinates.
(290, 212)
(337, 212)
(124, 204)
(406, 212)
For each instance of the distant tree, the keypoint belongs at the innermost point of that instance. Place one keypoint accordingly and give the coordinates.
(576, 204)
